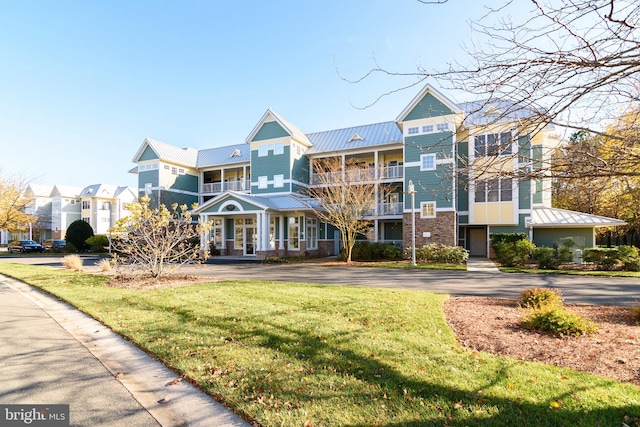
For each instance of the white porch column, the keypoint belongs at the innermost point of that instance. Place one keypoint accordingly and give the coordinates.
(222, 180)
(205, 235)
(259, 220)
(281, 234)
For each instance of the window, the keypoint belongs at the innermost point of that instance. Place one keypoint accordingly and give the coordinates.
(278, 181)
(428, 210)
(86, 204)
(238, 233)
(217, 233)
(106, 206)
(272, 232)
(262, 151)
(413, 130)
(427, 162)
(312, 233)
(294, 233)
(278, 148)
(492, 144)
(180, 171)
(167, 167)
(262, 182)
(494, 190)
(148, 167)
(442, 127)
(427, 129)
(86, 219)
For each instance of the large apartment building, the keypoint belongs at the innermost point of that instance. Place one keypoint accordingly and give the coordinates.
(254, 192)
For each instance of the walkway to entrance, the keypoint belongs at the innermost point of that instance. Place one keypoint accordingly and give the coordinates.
(481, 264)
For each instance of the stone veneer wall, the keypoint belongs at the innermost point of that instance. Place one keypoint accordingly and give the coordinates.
(442, 229)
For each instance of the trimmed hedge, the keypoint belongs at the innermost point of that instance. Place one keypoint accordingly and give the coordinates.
(439, 253)
(512, 249)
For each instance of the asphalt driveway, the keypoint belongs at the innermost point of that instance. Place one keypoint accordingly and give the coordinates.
(597, 290)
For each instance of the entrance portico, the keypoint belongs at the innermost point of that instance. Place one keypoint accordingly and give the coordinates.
(254, 226)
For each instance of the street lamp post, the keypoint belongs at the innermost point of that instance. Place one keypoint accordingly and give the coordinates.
(411, 190)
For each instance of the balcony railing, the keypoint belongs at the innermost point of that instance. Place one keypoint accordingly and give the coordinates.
(384, 209)
(218, 187)
(358, 175)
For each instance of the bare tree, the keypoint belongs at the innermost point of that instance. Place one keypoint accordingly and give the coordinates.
(13, 203)
(154, 239)
(574, 64)
(346, 197)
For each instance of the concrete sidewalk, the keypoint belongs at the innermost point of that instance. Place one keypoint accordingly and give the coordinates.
(51, 353)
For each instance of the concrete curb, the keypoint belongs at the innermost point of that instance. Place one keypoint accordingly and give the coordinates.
(159, 390)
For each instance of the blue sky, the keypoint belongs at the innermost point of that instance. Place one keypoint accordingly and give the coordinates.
(82, 83)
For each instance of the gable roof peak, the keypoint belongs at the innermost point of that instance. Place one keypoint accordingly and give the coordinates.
(428, 89)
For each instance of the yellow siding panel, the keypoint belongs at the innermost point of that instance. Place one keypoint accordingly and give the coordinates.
(480, 213)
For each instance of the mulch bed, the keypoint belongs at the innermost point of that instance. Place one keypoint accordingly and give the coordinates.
(493, 325)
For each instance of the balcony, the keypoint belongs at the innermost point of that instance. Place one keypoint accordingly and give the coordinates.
(386, 209)
(219, 187)
(359, 175)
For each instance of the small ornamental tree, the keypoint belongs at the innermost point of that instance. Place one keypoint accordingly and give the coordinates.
(154, 239)
(344, 197)
(78, 233)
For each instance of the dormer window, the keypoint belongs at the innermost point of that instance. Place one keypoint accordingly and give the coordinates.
(356, 137)
(236, 153)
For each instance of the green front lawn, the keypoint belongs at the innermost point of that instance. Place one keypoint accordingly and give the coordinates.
(295, 354)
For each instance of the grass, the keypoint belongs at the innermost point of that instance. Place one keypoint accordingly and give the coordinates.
(294, 354)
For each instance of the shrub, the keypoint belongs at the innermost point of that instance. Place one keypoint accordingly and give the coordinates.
(78, 233)
(104, 264)
(364, 250)
(629, 257)
(72, 262)
(439, 253)
(97, 243)
(546, 258)
(560, 322)
(603, 258)
(512, 249)
(69, 248)
(537, 298)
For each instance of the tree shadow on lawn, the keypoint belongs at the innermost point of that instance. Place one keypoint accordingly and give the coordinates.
(370, 383)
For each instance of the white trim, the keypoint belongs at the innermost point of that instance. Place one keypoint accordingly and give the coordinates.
(223, 207)
(424, 157)
(429, 202)
(426, 90)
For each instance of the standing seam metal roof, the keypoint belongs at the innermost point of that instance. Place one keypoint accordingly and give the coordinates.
(223, 155)
(342, 139)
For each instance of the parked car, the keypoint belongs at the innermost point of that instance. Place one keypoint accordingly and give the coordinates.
(24, 246)
(54, 244)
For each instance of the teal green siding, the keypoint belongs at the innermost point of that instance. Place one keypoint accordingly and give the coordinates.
(186, 183)
(520, 228)
(148, 177)
(524, 193)
(462, 179)
(429, 106)
(463, 219)
(537, 196)
(168, 198)
(430, 186)
(270, 130)
(270, 165)
(434, 143)
(300, 171)
(550, 236)
(148, 154)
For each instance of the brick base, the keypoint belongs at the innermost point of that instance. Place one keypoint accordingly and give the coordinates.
(442, 229)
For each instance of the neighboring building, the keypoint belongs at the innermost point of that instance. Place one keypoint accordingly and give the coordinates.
(254, 192)
(57, 206)
(102, 205)
(65, 208)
